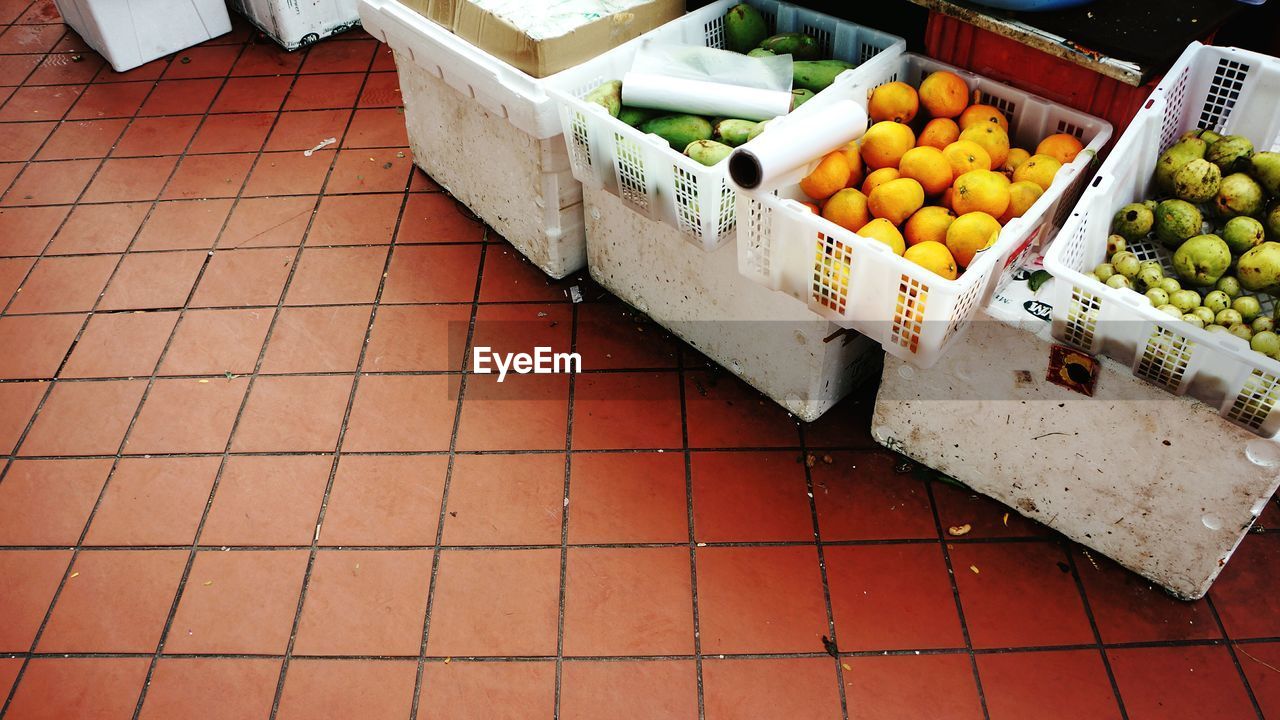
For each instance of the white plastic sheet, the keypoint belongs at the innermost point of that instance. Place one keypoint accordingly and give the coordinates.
(707, 81)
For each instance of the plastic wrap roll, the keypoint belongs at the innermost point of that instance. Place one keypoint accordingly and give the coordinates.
(700, 97)
(796, 140)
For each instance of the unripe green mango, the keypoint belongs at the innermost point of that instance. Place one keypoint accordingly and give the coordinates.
(679, 130)
(707, 152)
(798, 45)
(817, 75)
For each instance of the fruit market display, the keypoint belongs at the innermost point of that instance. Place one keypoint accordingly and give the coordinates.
(1219, 214)
(935, 176)
(710, 140)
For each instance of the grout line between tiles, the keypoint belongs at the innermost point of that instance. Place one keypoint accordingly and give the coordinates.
(564, 524)
(693, 537)
(1235, 658)
(1097, 634)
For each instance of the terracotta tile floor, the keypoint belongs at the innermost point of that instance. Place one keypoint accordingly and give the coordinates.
(242, 475)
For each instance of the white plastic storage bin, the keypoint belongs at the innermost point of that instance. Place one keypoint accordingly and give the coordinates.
(1226, 90)
(658, 182)
(295, 24)
(147, 29)
(860, 283)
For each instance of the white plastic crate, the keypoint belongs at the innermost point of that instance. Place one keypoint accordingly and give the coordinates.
(651, 178)
(1226, 90)
(295, 24)
(146, 29)
(913, 313)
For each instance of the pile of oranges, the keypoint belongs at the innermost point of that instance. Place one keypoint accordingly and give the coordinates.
(935, 177)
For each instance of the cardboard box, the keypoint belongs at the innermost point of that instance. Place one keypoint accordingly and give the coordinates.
(542, 52)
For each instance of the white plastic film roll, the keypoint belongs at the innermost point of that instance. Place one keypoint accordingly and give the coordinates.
(700, 97)
(787, 143)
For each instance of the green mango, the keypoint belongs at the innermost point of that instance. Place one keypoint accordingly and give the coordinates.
(800, 96)
(744, 28)
(1197, 181)
(608, 95)
(1203, 259)
(1271, 219)
(1259, 269)
(817, 75)
(798, 45)
(1231, 153)
(734, 132)
(635, 117)
(1176, 221)
(1172, 160)
(1133, 221)
(679, 130)
(1265, 168)
(760, 128)
(761, 52)
(1238, 194)
(707, 152)
(1243, 234)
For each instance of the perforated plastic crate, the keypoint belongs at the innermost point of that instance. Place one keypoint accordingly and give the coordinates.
(1226, 90)
(651, 178)
(860, 283)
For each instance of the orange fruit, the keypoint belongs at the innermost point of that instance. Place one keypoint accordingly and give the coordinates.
(975, 114)
(895, 101)
(939, 133)
(856, 171)
(970, 233)
(896, 200)
(812, 208)
(927, 166)
(1062, 147)
(884, 144)
(934, 257)
(831, 174)
(929, 223)
(1022, 195)
(948, 199)
(848, 209)
(981, 191)
(966, 155)
(1016, 157)
(884, 231)
(1038, 169)
(944, 94)
(878, 178)
(992, 138)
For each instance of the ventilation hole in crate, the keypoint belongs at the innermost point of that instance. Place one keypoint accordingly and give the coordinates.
(1068, 201)
(1070, 129)
(1177, 97)
(964, 306)
(832, 269)
(908, 313)
(1073, 248)
(714, 32)
(688, 214)
(1224, 90)
(822, 35)
(770, 18)
(1082, 318)
(1164, 359)
(758, 238)
(1008, 107)
(1147, 249)
(580, 148)
(866, 51)
(728, 206)
(630, 169)
(1256, 401)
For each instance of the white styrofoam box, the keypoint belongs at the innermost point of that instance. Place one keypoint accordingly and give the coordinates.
(146, 29)
(295, 24)
(1216, 88)
(499, 88)
(772, 342)
(642, 169)
(1158, 483)
(860, 283)
(519, 185)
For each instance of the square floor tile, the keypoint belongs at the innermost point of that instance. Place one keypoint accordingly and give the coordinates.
(208, 176)
(26, 231)
(47, 502)
(203, 61)
(211, 688)
(213, 342)
(628, 498)
(183, 225)
(1020, 595)
(9, 667)
(343, 275)
(117, 100)
(1247, 594)
(760, 600)
(340, 57)
(157, 136)
(614, 336)
(305, 130)
(105, 688)
(99, 228)
(244, 132)
(154, 501)
(239, 602)
(655, 690)
(847, 425)
(263, 57)
(627, 411)
(22, 140)
(244, 277)
(18, 403)
(116, 601)
(316, 92)
(794, 688)
(181, 97)
(628, 601)
(186, 416)
(524, 412)
(267, 500)
(365, 603)
(75, 139)
(986, 517)
(726, 412)
(38, 102)
(495, 602)
(84, 418)
(385, 500)
(34, 347)
(402, 413)
(64, 284)
(1258, 661)
(381, 89)
(370, 171)
(505, 500)
(488, 690)
(316, 339)
(418, 338)
(376, 128)
(297, 413)
(1129, 608)
(893, 687)
(252, 94)
(356, 220)
(892, 597)
(289, 173)
(15, 69)
(268, 222)
(432, 274)
(750, 497)
(12, 273)
(33, 577)
(120, 345)
(30, 38)
(153, 280)
(62, 68)
(1054, 685)
(367, 689)
(508, 277)
(1176, 683)
(860, 497)
(130, 179)
(520, 328)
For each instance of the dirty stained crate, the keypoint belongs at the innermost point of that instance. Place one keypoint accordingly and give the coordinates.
(295, 25)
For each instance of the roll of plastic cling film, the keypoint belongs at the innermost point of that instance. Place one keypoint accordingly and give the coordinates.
(795, 140)
(700, 97)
